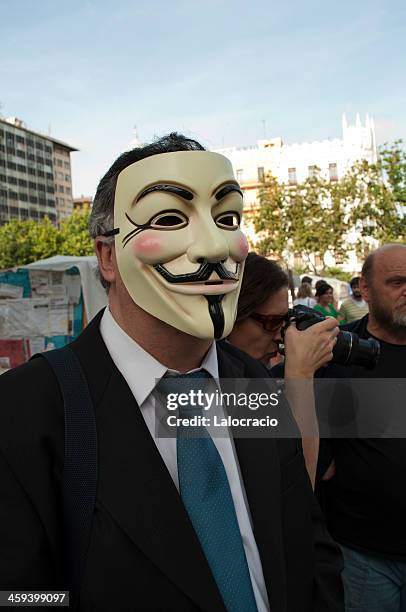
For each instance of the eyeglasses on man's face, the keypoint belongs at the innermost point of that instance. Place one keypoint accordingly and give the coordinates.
(269, 322)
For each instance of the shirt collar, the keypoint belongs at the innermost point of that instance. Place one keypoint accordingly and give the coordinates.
(141, 370)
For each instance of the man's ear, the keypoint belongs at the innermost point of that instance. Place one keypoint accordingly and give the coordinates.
(364, 289)
(106, 260)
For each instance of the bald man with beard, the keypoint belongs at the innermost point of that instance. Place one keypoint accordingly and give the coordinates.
(363, 488)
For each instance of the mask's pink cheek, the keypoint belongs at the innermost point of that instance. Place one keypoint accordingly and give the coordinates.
(241, 248)
(147, 247)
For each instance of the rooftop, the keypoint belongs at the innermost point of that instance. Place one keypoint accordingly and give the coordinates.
(18, 123)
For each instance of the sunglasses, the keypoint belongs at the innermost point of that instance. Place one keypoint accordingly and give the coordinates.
(269, 322)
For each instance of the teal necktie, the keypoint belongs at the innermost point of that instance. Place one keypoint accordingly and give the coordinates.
(206, 495)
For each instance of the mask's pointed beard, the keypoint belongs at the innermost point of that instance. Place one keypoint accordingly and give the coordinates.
(216, 314)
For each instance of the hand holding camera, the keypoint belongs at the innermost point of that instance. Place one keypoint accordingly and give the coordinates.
(307, 351)
(349, 348)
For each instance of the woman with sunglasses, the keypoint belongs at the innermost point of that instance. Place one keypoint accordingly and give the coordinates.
(262, 312)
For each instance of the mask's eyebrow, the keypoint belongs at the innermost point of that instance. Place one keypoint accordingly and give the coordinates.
(226, 189)
(179, 191)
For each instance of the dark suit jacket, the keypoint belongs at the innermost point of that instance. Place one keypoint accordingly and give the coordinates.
(144, 554)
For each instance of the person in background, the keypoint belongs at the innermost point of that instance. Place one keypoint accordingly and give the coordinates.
(261, 313)
(363, 482)
(304, 296)
(354, 307)
(325, 301)
(307, 279)
(320, 282)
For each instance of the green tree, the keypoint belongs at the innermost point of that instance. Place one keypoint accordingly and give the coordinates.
(378, 192)
(307, 218)
(22, 242)
(270, 220)
(74, 234)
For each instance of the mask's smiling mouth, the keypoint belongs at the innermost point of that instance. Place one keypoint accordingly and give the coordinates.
(208, 279)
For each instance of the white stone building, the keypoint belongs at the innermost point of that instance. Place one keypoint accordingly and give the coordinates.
(292, 163)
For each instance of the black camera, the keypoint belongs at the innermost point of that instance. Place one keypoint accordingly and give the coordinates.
(350, 349)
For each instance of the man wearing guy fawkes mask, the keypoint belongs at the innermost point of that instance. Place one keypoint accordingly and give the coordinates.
(179, 524)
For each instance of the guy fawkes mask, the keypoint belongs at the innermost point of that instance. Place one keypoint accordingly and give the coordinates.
(179, 247)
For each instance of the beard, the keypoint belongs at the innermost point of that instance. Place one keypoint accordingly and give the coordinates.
(392, 320)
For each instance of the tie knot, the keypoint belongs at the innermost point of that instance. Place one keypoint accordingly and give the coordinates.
(189, 386)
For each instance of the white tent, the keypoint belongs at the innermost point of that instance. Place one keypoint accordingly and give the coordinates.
(94, 295)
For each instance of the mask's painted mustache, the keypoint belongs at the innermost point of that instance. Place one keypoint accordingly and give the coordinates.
(201, 275)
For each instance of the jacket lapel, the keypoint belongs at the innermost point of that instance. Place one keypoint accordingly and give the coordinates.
(259, 465)
(134, 484)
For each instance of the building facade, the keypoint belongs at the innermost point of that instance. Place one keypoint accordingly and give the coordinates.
(82, 202)
(293, 163)
(35, 174)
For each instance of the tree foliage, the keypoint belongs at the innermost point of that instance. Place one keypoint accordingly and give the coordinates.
(74, 232)
(316, 217)
(22, 242)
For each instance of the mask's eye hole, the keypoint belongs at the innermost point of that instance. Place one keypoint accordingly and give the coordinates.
(169, 220)
(229, 220)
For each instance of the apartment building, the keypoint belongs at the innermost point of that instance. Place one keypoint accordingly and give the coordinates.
(35, 174)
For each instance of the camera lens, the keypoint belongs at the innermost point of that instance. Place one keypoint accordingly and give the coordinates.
(350, 349)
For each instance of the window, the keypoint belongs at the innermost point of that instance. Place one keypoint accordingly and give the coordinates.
(59, 162)
(21, 168)
(39, 145)
(20, 139)
(22, 183)
(239, 174)
(67, 190)
(312, 171)
(11, 166)
(12, 180)
(20, 153)
(61, 189)
(32, 185)
(66, 164)
(292, 180)
(261, 174)
(332, 169)
(67, 177)
(22, 197)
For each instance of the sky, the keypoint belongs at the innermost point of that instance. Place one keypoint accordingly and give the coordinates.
(226, 73)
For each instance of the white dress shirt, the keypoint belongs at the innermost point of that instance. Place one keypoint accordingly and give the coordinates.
(141, 371)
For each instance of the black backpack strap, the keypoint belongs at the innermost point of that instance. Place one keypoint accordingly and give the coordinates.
(79, 479)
